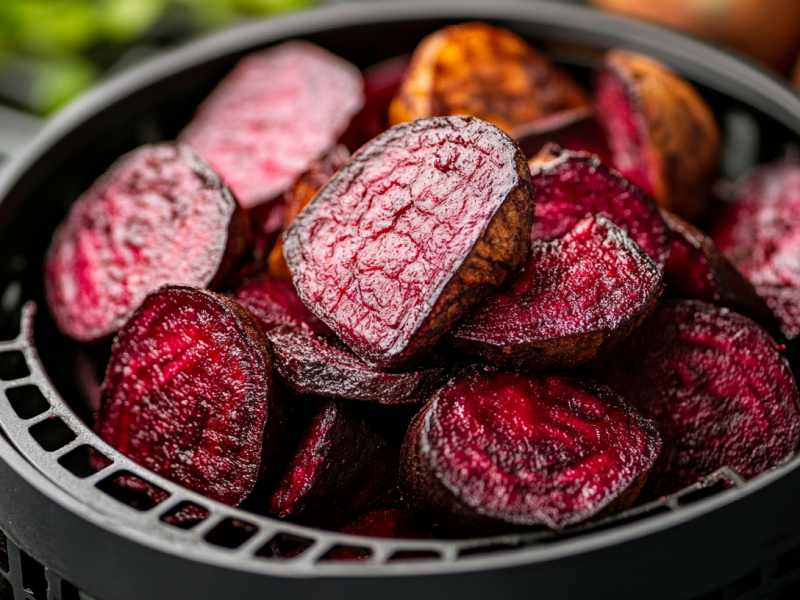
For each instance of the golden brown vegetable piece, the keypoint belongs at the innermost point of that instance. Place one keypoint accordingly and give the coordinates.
(662, 134)
(482, 71)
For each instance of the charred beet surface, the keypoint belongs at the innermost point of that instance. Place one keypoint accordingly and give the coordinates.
(496, 451)
(159, 215)
(189, 394)
(717, 388)
(574, 298)
(415, 229)
(274, 114)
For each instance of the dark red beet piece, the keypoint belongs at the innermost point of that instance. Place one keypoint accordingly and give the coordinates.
(716, 386)
(496, 451)
(159, 215)
(388, 523)
(575, 298)
(342, 468)
(416, 228)
(273, 115)
(760, 233)
(189, 394)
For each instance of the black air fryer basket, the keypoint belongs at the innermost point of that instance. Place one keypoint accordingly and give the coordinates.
(70, 532)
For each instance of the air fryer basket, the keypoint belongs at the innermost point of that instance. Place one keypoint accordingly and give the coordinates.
(70, 528)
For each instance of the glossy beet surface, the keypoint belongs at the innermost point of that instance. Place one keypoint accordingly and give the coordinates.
(717, 388)
(571, 186)
(275, 113)
(574, 297)
(189, 393)
(412, 231)
(497, 450)
(388, 523)
(576, 130)
(158, 215)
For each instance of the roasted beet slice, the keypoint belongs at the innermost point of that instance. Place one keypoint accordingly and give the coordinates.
(716, 386)
(495, 451)
(759, 231)
(416, 228)
(571, 186)
(697, 270)
(662, 133)
(575, 297)
(486, 72)
(388, 523)
(342, 468)
(322, 365)
(189, 394)
(158, 215)
(273, 115)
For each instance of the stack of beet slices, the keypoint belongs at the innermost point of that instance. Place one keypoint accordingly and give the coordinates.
(436, 334)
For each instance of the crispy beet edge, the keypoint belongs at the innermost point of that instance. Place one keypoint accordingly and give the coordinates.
(717, 388)
(158, 215)
(575, 298)
(189, 394)
(483, 456)
(410, 234)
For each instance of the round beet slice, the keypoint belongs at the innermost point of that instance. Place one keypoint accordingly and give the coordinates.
(495, 451)
(575, 298)
(158, 215)
(416, 228)
(189, 394)
(571, 186)
(716, 386)
(273, 115)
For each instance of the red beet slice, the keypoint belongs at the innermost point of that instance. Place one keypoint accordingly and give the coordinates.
(716, 386)
(342, 468)
(159, 215)
(322, 365)
(571, 186)
(575, 298)
(389, 523)
(495, 451)
(273, 115)
(189, 394)
(417, 227)
(760, 233)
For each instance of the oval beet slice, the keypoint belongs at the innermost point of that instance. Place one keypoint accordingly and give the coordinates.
(419, 225)
(571, 186)
(158, 215)
(342, 468)
(495, 451)
(575, 298)
(275, 113)
(189, 394)
(716, 386)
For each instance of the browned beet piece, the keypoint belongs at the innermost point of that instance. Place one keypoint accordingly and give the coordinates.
(662, 133)
(571, 186)
(697, 270)
(575, 298)
(322, 365)
(158, 215)
(495, 451)
(273, 115)
(759, 231)
(189, 394)
(343, 466)
(388, 523)
(716, 386)
(416, 228)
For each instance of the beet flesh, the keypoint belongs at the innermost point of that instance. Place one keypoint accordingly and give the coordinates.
(388, 523)
(158, 215)
(189, 394)
(416, 228)
(717, 388)
(496, 451)
(575, 298)
(275, 113)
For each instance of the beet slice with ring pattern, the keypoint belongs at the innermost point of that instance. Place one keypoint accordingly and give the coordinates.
(496, 451)
(189, 394)
(415, 229)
